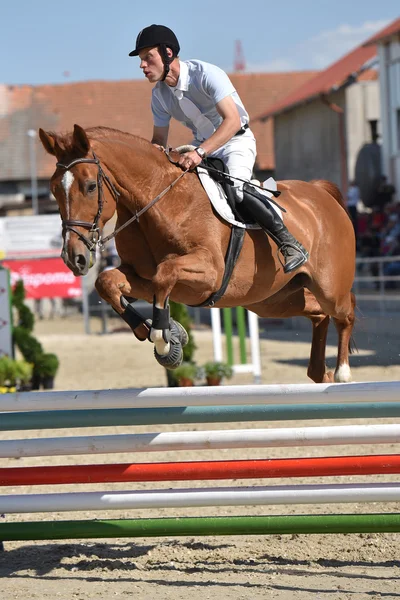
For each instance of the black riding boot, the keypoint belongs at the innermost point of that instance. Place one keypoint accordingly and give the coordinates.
(258, 206)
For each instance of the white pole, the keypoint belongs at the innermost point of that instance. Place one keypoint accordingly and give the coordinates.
(255, 346)
(309, 393)
(217, 335)
(228, 496)
(202, 440)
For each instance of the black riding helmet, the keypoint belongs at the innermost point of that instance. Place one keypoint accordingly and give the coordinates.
(161, 36)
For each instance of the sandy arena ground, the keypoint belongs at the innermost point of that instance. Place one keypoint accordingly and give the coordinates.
(298, 567)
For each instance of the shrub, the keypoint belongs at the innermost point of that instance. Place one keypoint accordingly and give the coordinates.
(47, 365)
(187, 370)
(218, 370)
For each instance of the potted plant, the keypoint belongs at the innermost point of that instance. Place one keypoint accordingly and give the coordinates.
(46, 368)
(8, 374)
(24, 372)
(186, 374)
(217, 371)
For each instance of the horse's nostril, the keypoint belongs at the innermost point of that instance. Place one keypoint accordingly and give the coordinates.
(80, 260)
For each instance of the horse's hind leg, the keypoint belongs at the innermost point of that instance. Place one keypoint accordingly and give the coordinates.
(317, 367)
(302, 303)
(344, 326)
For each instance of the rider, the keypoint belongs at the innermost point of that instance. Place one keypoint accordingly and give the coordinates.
(202, 97)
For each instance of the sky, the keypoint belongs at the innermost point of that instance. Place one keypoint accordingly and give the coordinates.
(54, 41)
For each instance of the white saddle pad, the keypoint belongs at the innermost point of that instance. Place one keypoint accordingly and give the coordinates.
(218, 198)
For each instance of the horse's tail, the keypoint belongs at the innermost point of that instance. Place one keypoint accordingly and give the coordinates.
(332, 189)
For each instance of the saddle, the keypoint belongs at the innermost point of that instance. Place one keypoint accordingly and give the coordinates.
(213, 164)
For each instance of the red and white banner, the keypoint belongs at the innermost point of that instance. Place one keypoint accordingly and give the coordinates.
(44, 278)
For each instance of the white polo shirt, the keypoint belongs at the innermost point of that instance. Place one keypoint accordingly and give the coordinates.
(203, 84)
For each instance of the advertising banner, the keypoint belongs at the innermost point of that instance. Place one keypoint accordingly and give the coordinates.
(44, 278)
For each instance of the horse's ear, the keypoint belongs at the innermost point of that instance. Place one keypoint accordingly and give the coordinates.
(81, 140)
(48, 140)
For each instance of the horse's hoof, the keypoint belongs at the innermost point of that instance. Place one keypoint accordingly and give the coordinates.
(173, 359)
(178, 331)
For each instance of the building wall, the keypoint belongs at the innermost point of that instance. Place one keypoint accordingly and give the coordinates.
(362, 107)
(389, 62)
(307, 142)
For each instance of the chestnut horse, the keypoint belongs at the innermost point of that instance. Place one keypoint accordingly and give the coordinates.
(176, 248)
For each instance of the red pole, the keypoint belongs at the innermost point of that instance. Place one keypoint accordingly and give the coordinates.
(202, 470)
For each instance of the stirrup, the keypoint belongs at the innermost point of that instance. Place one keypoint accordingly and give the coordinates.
(300, 250)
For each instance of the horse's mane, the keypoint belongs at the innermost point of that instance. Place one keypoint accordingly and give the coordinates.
(65, 140)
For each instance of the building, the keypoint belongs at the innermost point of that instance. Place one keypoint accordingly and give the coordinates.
(123, 105)
(388, 42)
(329, 127)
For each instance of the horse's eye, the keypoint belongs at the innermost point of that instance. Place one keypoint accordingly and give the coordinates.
(91, 187)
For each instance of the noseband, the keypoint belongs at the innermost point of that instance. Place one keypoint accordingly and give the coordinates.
(93, 228)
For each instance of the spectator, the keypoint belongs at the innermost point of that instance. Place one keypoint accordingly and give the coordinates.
(353, 198)
(385, 193)
(391, 269)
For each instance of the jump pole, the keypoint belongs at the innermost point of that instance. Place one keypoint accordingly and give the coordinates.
(243, 366)
(200, 526)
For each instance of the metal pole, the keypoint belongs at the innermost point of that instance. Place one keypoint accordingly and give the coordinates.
(31, 133)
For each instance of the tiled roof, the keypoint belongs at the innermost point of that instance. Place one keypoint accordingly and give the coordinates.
(385, 34)
(123, 105)
(348, 68)
(332, 78)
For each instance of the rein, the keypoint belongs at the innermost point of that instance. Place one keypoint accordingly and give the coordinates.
(95, 238)
(103, 241)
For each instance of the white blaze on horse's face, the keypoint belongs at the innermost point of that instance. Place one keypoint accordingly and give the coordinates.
(67, 181)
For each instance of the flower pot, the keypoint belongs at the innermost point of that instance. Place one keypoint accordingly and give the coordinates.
(185, 382)
(213, 380)
(48, 383)
(36, 382)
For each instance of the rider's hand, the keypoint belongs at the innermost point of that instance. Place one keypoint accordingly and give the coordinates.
(189, 160)
(159, 147)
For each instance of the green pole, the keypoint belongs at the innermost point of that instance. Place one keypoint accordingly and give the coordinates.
(198, 526)
(241, 326)
(227, 313)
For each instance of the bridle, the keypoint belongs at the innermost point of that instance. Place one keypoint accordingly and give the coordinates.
(94, 231)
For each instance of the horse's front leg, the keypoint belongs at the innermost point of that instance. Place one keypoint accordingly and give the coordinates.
(118, 287)
(195, 271)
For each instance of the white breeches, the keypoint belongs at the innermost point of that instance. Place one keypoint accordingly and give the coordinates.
(239, 154)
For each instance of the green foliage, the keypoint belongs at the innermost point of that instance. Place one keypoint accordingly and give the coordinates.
(14, 371)
(47, 365)
(39, 363)
(7, 371)
(187, 370)
(24, 371)
(218, 369)
(18, 295)
(30, 348)
(26, 318)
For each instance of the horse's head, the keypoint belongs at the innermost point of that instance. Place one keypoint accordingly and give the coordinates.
(85, 204)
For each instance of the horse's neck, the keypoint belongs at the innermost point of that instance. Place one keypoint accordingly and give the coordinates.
(133, 170)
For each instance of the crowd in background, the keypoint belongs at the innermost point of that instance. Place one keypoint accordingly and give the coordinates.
(377, 228)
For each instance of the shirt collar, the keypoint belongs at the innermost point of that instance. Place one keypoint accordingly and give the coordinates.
(183, 81)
